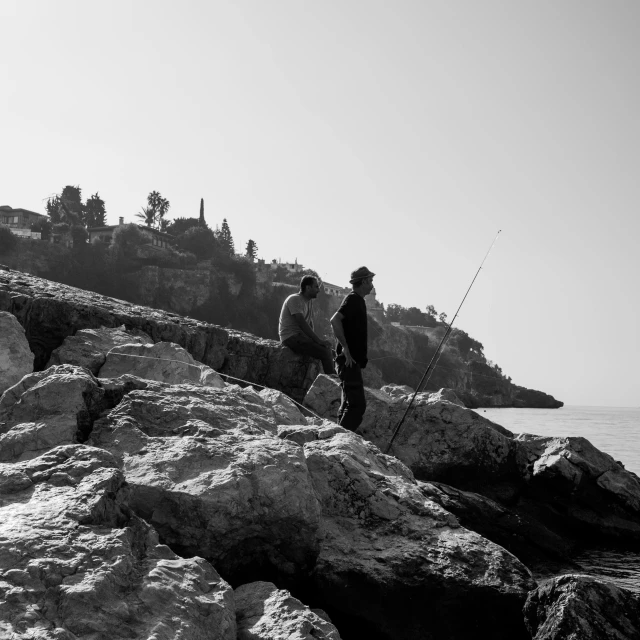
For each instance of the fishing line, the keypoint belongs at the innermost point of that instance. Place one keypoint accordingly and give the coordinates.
(436, 355)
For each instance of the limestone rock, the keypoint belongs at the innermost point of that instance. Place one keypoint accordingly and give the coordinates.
(576, 607)
(264, 612)
(581, 484)
(438, 440)
(309, 433)
(46, 409)
(75, 563)
(383, 542)
(50, 311)
(324, 397)
(397, 390)
(268, 363)
(164, 362)
(285, 410)
(529, 540)
(16, 358)
(207, 471)
(89, 347)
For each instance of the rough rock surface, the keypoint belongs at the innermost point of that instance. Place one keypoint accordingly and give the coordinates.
(582, 484)
(206, 469)
(50, 311)
(384, 543)
(438, 440)
(75, 562)
(577, 607)
(270, 364)
(16, 358)
(565, 483)
(163, 362)
(397, 390)
(525, 537)
(264, 612)
(89, 347)
(46, 409)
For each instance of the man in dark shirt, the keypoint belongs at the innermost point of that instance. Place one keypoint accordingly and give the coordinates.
(350, 328)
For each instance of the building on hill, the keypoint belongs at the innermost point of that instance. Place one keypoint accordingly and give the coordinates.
(334, 289)
(105, 234)
(291, 267)
(20, 221)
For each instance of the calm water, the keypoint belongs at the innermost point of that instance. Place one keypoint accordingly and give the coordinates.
(614, 430)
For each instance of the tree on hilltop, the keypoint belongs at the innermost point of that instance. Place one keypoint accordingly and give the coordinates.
(251, 250)
(153, 214)
(224, 237)
(179, 226)
(94, 211)
(201, 219)
(200, 241)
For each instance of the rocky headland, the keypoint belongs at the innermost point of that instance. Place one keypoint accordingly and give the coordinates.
(146, 494)
(238, 294)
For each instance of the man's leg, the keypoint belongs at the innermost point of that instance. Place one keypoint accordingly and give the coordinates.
(353, 403)
(305, 346)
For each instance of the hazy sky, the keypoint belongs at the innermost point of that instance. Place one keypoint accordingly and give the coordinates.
(399, 135)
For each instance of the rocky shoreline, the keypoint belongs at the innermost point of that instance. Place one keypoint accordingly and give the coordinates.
(144, 495)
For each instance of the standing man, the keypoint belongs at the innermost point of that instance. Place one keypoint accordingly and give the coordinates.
(350, 327)
(296, 325)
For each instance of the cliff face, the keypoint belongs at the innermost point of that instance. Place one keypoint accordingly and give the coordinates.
(402, 354)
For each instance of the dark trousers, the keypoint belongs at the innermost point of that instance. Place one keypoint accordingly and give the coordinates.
(353, 403)
(306, 346)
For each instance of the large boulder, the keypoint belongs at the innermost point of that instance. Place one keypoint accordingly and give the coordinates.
(16, 358)
(439, 440)
(89, 347)
(577, 607)
(163, 362)
(395, 563)
(566, 484)
(46, 409)
(264, 612)
(527, 538)
(76, 563)
(571, 482)
(206, 469)
(269, 363)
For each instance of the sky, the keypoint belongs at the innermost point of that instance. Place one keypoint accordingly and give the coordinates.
(397, 135)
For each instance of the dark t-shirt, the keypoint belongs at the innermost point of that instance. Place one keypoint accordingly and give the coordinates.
(354, 323)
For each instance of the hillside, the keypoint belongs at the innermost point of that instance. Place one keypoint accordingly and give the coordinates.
(233, 293)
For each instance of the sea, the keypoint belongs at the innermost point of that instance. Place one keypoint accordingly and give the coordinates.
(614, 430)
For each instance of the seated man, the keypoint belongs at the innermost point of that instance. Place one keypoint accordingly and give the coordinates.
(296, 325)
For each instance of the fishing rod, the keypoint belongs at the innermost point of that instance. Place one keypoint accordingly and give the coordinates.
(436, 356)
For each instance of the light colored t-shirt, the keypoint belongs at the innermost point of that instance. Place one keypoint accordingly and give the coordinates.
(295, 303)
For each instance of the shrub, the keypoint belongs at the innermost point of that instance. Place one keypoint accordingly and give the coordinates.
(199, 241)
(7, 240)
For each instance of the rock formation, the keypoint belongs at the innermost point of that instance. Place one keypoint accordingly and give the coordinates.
(573, 607)
(89, 347)
(75, 562)
(49, 312)
(16, 359)
(135, 494)
(222, 476)
(264, 612)
(566, 484)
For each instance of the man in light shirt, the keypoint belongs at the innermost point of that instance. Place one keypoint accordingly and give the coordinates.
(296, 325)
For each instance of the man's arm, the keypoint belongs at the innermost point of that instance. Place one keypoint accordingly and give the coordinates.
(307, 330)
(338, 330)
